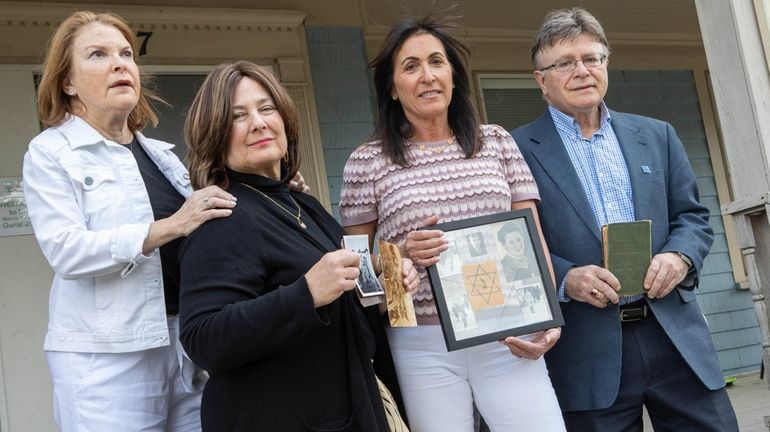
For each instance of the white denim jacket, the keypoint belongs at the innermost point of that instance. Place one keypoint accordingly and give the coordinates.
(91, 214)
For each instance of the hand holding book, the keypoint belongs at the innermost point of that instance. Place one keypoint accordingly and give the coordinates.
(667, 270)
(627, 251)
(592, 284)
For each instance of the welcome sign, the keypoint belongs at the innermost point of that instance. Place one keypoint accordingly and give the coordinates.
(14, 219)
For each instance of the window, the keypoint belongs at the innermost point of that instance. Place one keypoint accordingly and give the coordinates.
(178, 91)
(510, 100)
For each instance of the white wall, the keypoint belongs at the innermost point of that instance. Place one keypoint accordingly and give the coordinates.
(25, 277)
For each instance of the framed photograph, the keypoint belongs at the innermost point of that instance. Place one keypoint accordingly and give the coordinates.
(493, 281)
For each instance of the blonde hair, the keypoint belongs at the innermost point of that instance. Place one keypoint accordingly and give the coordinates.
(210, 119)
(53, 104)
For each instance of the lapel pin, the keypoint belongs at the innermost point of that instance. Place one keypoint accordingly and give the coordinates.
(646, 169)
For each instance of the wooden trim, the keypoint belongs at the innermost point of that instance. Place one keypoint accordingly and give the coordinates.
(4, 425)
(202, 70)
(21, 68)
(229, 19)
(479, 91)
(315, 156)
(721, 178)
(507, 81)
(754, 204)
(313, 167)
(525, 36)
(762, 9)
(738, 70)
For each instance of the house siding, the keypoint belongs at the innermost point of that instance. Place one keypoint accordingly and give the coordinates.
(343, 93)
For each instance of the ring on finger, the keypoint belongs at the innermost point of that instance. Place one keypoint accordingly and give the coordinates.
(206, 202)
(598, 295)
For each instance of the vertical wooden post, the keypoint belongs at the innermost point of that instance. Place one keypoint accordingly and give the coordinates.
(744, 226)
(736, 50)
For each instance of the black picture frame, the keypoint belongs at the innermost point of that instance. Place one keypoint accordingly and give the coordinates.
(493, 281)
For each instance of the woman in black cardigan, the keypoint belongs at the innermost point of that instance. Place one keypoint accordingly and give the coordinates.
(266, 302)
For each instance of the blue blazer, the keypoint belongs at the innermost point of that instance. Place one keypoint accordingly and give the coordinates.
(585, 364)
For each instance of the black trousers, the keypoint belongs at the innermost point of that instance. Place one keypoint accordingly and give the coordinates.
(655, 375)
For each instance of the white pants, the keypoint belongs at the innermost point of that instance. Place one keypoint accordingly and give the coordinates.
(439, 387)
(156, 390)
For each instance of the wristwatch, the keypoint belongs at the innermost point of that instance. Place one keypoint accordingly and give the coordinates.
(686, 259)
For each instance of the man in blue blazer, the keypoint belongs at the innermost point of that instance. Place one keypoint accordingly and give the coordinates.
(595, 166)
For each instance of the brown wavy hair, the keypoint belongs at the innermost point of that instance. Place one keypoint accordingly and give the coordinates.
(53, 104)
(210, 120)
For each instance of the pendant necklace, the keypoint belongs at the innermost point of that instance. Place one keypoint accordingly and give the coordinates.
(437, 150)
(297, 217)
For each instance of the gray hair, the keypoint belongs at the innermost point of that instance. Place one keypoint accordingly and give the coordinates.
(567, 24)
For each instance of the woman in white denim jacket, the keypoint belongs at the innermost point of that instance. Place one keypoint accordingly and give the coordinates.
(95, 188)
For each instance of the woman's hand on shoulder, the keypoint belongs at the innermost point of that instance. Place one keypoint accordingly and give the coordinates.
(423, 247)
(335, 273)
(203, 205)
(536, 346)
(297, 183)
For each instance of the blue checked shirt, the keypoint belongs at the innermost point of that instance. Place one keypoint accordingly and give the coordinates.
(602, 170)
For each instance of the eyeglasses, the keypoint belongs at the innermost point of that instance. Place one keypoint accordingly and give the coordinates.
(568, 65)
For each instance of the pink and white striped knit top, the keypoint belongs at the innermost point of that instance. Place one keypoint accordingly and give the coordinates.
(445, 184)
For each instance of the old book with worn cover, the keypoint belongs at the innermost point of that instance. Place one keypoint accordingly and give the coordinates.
(627, 248)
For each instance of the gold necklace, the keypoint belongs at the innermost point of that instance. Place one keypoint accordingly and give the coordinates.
(297, 217)
(438, 150)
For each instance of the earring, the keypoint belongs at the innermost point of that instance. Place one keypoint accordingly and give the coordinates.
(394, 97)
(70, 91)
(286, 157)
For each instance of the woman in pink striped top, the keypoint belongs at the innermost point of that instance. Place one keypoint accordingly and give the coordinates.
(430, 160)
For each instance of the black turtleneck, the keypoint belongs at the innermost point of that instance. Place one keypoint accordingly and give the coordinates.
(165, 201)
(247, 316)
(283, 205)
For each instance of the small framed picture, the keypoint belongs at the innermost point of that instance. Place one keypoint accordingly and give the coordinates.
(493, 280)
(367, 282)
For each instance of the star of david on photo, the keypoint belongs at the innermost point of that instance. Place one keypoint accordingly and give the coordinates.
(483, 284)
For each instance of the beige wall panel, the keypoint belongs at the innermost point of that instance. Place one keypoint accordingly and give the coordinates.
(325, 12)
(212, 47)
(644, 56)
(500, 56)
(22, 44)
(649, 16)
(26, 279)
(512, 55)
(180, 36)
